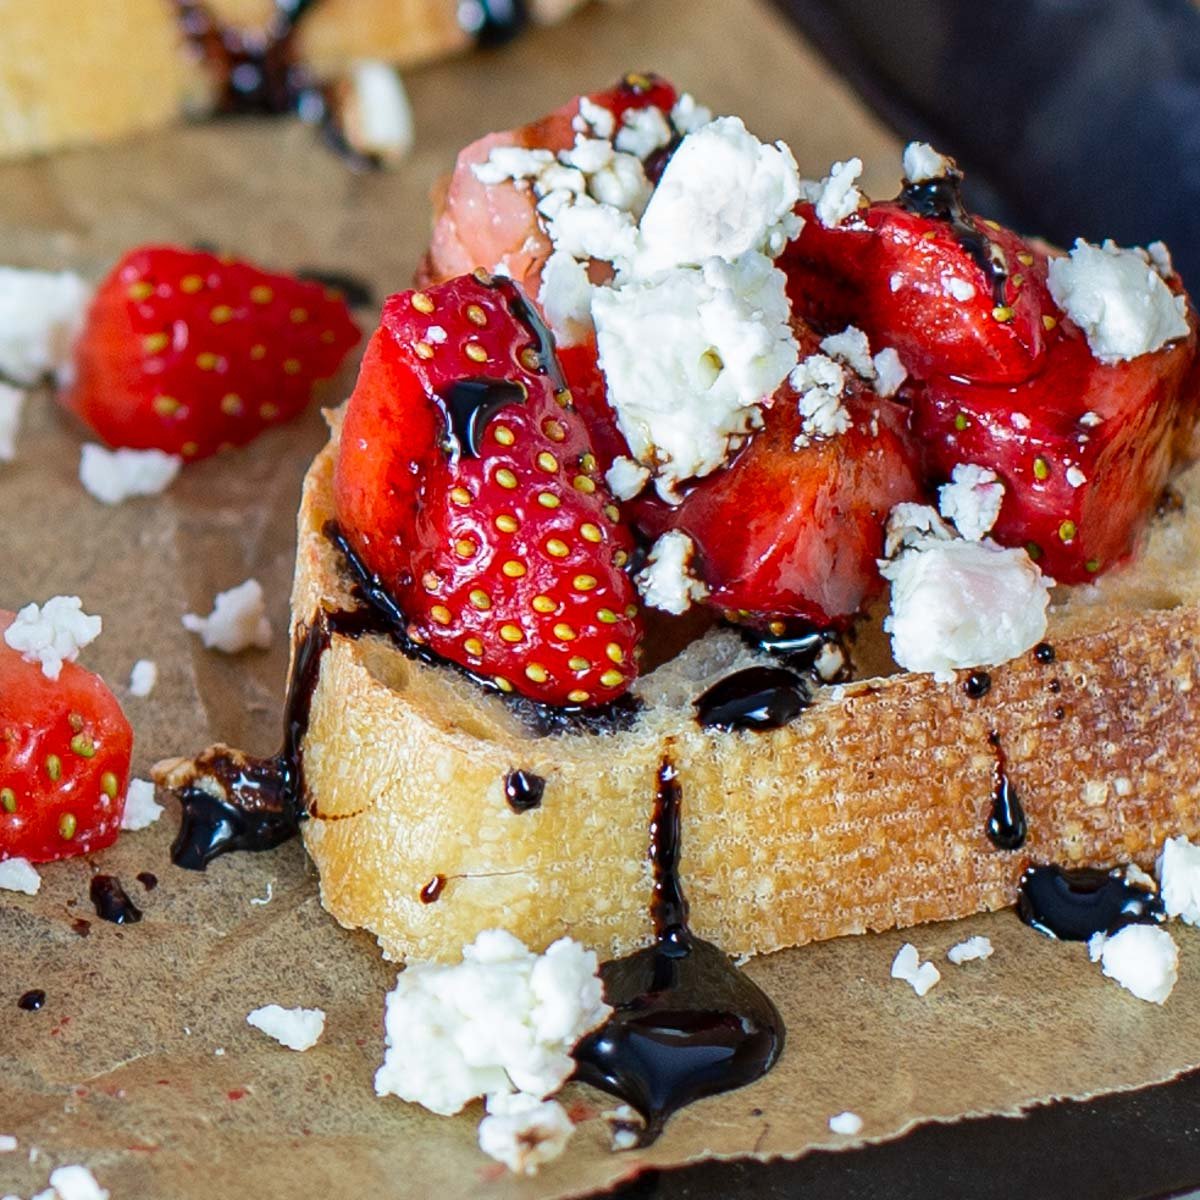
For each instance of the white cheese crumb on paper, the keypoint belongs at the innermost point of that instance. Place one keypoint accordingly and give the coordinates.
(143, 677)
(524, 1132)
(75, 1183)
(922, 162)
(12, 400)
(141, 809)
(836, 197)
(1179, 879)
(970, 950)
(237, 622)
(8, 1143)
(41, 314)
(53, 633)
(667, 581)
(908, 967)
(1143, 959)
(19, 875)
(972, 500)
(295, 1028)
(848, 1123)
(114, 476)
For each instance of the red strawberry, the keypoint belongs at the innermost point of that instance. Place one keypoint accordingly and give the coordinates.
(910, 274)
(1083, 449)
(190, 353)
(786, 532)
(64, 760)
(466, 480)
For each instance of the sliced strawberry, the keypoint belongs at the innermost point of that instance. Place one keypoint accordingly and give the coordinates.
(953, 294)
(189, 353)
(64, 760)
(581, 366)
(466, 480)
(1084, 449)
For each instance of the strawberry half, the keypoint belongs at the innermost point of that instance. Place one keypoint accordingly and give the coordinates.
(189, 353)
(467, 482)
(64, 760)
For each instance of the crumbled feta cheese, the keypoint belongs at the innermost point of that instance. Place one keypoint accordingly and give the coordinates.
(1143, 959)
(1179, 877)
(19, 875)
(1160, 259)
(687, 116)
(852, 348)
(922, 162)
(12, 400)
(626, 477)
(595, 117)
(848, 1123)
(295, 1028)
(75, 1183)
(8, 1143)
(625, 1125)
(41, 313)
(970, 950)
(113, 476)
(972, 500)
(375, 114)
(503, 1018)
(959, 289)
(622, 184)
(435, 334)
(141, 809)
(566, 298)
(1075, 477)
(687, 358)
(957, 603)
(588, 155)
(667, 582)
(836, 197)
(1133, 873)
(889, 372)
(512, 162)
(143, 677)
(724, 193)
(1119, 301)
(830, 661)
(643, 130)
(238, 620)
(907, 966)
(911, 525)
(524, 1132)
(52, 634)
(582, 228)
(820, 383)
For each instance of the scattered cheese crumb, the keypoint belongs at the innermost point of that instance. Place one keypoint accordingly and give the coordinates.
(835, 198)
(295, 1028)
(667, 581)
(52, 634)
(435, 334)
(566, 298)
(907, 966)
(75, 1183)
(8, 1143)
(503, 1018)
(11, 402)
(687, 116)
(113, 476)
(851, 347)
(1179, 878)
(970, 950)
(625, 1126)
(1090, 420)
(141, 809)
(922, 162)
(512, 162)
(524, 1132)
(959, 289)
(238, 620)
(595, 117)
(971, 499)
(41, 312)
(889, 372)
(1075, 477)
(820, 383)
(626, 477)
(848, 1123)
(19, 875)
(143, 677)
(643, 130)
(1143, 959)
(265, 899)
(1118, 299)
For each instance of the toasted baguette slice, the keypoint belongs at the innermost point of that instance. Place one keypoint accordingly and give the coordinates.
(866, 813)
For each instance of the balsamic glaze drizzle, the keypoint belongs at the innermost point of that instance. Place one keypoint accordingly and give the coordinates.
(757, 698)
(941, 199)
(800, 647)
(1073, 903)
(469, 404)
(523, 790)
(112, 902)
(686, 1022)
(1006, 825)
(32, 1000)
(433, 889)
(977, 684)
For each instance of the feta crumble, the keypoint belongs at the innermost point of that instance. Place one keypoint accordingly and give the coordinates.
(836, 197)
(958, 289)
(687, 116)
(237, 622)
(972, 500)
(922, 163)
(142, 678)
(141, 809)
(113, 476)
(1075, 477)
(626, 477)
(820, 383)
(595, 117)
(524, 1132)
(295, 1028)
(41, 313)
(12, 400)
(8, 1143)
(1143, 959)
(579, 226)
(848, 1123)
(512, 162)
(1118, 299)
(969, 951)
(667, 581)
(643, 130)
(52, 634)
(566, 298)
(73, 1183)
(1179, 879)
(889, 373)
(19, 875)
(852, 348)
(907, 966)
(502, 1019)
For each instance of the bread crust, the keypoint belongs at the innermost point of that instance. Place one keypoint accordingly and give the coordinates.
(868, 812)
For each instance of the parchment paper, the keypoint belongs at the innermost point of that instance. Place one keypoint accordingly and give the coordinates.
(141, 1063)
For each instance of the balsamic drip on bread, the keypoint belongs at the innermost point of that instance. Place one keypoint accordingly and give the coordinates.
(1006, 825)
(112, 902)
(32, 1000)
(687, 1023)
(1073, 903)
(523, 790)
(757, 698)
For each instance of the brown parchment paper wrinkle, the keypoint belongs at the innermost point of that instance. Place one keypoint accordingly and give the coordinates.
(141, 1063)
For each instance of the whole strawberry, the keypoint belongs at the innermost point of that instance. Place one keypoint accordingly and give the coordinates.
(189, 353)
(467, 482)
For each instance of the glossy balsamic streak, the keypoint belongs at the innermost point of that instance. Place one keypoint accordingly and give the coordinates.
(757, 698)
(32, 1000)
(977, 684)
(686, 1022)
(112, 902)
(469, 404)
(523, 790)
(1044, 652)
(148, 880)
(800, 647)
(81, 927)
(1006, 825)
(1073, 903)
(433, 889)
